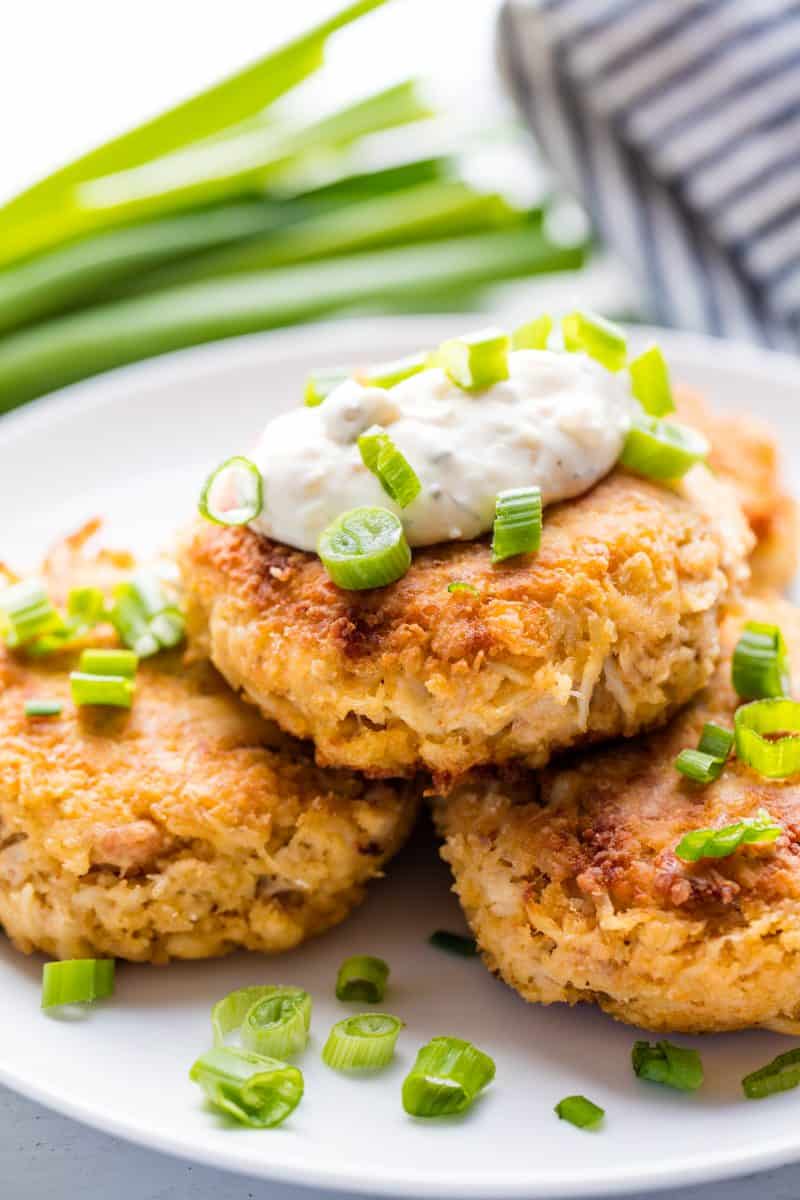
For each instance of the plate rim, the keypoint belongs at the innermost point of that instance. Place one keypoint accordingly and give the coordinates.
(325, 337)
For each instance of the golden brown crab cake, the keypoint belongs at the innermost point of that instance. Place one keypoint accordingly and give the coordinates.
(184, 828)
(744, 451)
(571, 884)
(608, 629)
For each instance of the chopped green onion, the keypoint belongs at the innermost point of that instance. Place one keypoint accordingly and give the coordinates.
(108, 662)
(591, 334)
(760, 662)
(719, 843)
(662, 449)
(446, 1078)
(517, 523)
(780, 1075)
(768, 737)
(270, 1020)
(698, 766)
(362, 979)
(533, 335)
(116, 691)
(388, 375)
(458, 585)
(364, 548)
(453, 943)
(26, 613)
(362, 1043)
(320, 384)
(476, 360)
(144, 617)
(579, 1111)
(716, 740)
(650, 382)
(233, 494)
(253, 1089)
(77, 981)
(663, 1062)
(86, 607)
(397, 477)
(43, 708)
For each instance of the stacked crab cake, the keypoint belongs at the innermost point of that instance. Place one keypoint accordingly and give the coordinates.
(183, 828)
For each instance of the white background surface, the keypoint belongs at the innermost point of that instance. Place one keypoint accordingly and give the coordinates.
(70, 75)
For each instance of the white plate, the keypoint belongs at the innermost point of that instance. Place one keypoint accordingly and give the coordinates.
(133, 446)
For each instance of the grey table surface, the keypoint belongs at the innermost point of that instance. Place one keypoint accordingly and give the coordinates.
(44, 1156)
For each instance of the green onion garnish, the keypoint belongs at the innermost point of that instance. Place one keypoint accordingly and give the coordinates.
(270, 1020)
(109, 662)
(364, 548)
(116, 691)
(26, 613)
(705, 764)
(233, 494)
(144, 617)
(662, 449)
(591, 334)
(476, 360)
(663, 1062)
(85, 607)
(397, 477)
(650, 382)
(387, 375)
(458, 585)
(453, 943)
(362, 979)
(43, 708)
(517, 523)
(253, 1089)
(760, 662)
(77, 981)
(362, 1043)
(533, 335)
(579, 1111)
(719, 843)
(780, 1075)
(768, 737)
(446, 1078)
(320, 384)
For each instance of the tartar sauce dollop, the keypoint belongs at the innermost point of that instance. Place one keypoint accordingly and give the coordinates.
(559, 421)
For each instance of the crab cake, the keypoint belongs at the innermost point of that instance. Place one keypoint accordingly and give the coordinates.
(570, 880)
(184, 828)
(608, 629)
(744, 451)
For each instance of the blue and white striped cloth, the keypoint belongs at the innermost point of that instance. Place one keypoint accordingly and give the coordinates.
(677, 122)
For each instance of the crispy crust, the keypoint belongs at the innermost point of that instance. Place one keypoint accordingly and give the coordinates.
(744, 451)
(610, 628)
(183, 829)
(570, 880)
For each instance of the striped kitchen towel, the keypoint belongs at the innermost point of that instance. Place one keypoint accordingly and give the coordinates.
(677, 122)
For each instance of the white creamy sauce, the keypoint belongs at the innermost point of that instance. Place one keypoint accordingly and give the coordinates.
(559, 421)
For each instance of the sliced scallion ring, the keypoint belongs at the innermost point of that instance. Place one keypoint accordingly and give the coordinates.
(650, 382)
(720, 843)
(768, 737)
(85, 607)
(716, 740)
(365, 1042)
(517, 523)
(252, 1088)
(144, 616)
(533, 335)
(668, 1064)
(446, 1078)
(234, 493)
(389, 374)
(476, 360)
(699, 766)
(362, 979)
(662, 449)
(397, 477)
(113, 691)
(109, 662)
(760, 666)
(579, 1111)
(27, 613)
(271, 1019)
(459, 585)
(780, 1075)
(320, 384)
(364, 548)
(43, 708)
(77, 981)
(592, 334)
